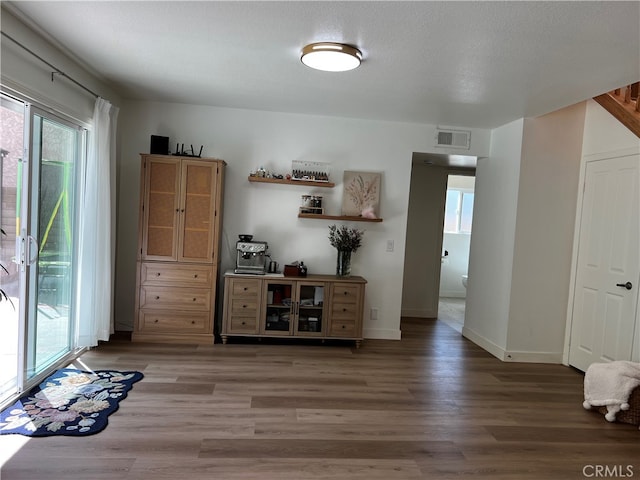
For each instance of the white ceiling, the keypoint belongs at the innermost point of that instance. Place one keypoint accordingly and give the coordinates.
(469, 64)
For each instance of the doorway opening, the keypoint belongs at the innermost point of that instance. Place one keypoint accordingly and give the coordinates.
(456, 240)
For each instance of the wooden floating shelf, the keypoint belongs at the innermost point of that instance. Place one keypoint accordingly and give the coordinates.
(345, 218)
(284, 181)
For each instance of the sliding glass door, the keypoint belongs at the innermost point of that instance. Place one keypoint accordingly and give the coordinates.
(41, 280)
(49, 240)
(12, 122)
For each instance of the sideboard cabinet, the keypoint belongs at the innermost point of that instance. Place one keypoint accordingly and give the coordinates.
(316, 306)
(178, 248)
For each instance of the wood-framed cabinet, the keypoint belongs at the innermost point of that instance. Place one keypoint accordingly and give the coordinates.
(317, 306)
(178, 256)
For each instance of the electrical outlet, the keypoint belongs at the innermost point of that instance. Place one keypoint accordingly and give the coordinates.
(374, 314)
(389, 245)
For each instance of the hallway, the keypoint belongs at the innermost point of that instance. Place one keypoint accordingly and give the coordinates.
(451, 311)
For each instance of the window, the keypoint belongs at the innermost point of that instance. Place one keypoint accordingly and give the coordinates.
(458, 213)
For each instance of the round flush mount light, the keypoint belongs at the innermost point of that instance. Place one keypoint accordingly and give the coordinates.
(331, 57)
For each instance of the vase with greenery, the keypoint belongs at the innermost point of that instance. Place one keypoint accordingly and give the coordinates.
(346, 240)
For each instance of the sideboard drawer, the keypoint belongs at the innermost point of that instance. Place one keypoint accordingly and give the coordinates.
(342, 328)
(246, 325)
(244, 307)
(241, 287)
(346, 293)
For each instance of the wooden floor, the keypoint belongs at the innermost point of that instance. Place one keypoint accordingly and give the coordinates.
(432, 405)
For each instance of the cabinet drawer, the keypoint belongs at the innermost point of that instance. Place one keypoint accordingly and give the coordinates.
(173, 322)
(180, 275)
(248, 325)
(342, 328)
(244, 307)
(175, 298)
(245, 288)
(346, 293)
(341, 310)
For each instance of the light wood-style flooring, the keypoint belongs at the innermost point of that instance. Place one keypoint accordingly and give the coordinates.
(431, 406)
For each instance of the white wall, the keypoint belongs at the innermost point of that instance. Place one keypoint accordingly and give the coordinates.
(31, 77)
(492, 243)
(247, 139)
(547, 193)
(604, 134)
(521, 248)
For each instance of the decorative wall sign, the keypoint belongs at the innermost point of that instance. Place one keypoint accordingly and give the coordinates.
(361, 196)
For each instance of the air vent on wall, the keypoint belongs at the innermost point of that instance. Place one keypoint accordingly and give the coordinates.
(453, 138)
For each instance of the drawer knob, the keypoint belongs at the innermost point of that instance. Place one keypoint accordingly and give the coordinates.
(158, 274)
(245, 289)
(193, 322)
(155, 321)
(344, 309)
(195, 276)
(244, 323)
(344, 326)
(157, 297)
(346, 293)
(244, 306)
(194, 299)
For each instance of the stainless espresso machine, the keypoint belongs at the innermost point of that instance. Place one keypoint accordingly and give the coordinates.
(251, 257)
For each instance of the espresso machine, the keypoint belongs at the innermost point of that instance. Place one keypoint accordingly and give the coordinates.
(251, 256)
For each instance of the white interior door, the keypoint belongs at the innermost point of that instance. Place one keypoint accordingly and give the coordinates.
(603, 324)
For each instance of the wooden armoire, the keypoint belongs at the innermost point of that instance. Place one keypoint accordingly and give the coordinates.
(180, 221)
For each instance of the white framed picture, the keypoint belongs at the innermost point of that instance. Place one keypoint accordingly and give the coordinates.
(361, 196)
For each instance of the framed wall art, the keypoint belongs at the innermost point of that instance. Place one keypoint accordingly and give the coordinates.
(361, 196)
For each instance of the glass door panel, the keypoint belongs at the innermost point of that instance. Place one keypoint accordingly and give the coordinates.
(12, 117)
(279, 312)
(310, 309)
(49, 241)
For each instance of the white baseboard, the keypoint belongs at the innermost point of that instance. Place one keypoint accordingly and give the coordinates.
(511, 356)
(482, 342)
(382, 333)
(533, 357)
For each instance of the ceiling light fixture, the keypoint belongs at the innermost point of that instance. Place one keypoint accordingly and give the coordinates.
(331, 57)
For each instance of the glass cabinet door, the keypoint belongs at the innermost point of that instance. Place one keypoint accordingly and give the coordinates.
(309, 309)
(279, 312)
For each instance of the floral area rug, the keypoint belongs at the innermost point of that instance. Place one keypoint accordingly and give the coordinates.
(69, 402)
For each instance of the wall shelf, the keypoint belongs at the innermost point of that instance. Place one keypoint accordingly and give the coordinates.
(299, 183)
(345, 218)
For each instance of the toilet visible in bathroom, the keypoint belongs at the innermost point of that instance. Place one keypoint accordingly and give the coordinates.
(465, 278)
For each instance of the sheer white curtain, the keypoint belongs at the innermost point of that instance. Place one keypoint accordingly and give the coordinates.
(97, 230)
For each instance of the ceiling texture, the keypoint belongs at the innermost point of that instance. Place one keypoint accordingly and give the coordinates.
(466, 64)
